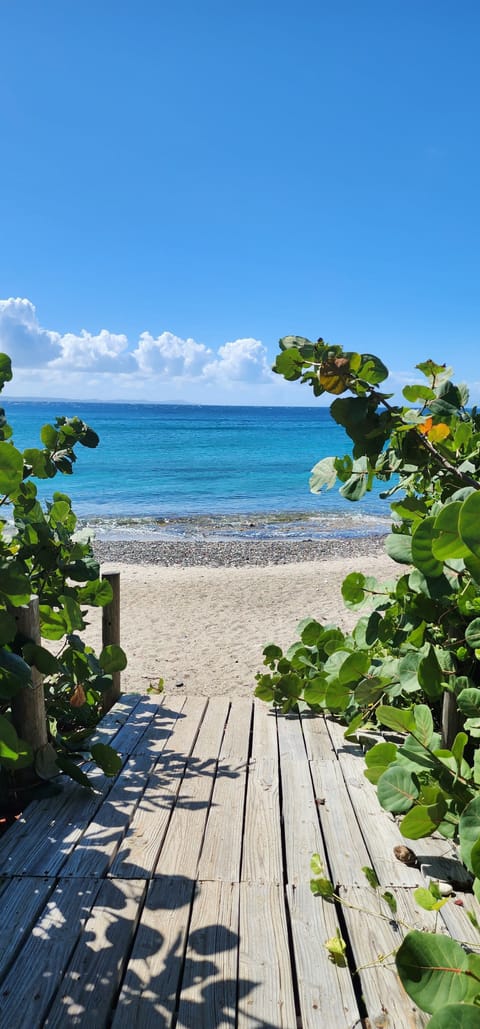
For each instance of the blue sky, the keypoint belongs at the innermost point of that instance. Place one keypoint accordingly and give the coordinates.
(183, 183)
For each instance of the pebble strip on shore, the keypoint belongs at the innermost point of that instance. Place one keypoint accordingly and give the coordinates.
(236, 553)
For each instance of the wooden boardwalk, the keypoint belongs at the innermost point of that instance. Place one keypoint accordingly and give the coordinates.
(177, 895)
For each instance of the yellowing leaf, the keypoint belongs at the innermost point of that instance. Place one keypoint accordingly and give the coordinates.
(335, 375)
(438, 433)
(336, 947)
(425, 426)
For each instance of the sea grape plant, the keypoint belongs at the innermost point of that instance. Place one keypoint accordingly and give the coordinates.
(414, 654)
(40, 554)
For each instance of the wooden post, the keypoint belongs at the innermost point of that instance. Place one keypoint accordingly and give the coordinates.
(28, 706)
(449, 719)
(111, 634)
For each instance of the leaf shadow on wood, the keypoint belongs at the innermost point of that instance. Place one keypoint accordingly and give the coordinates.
(127, 953)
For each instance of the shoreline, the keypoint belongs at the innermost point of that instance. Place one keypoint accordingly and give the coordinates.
(202, 624)
(236, 553)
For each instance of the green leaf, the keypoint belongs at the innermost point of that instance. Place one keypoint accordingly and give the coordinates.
(398, 719)
(433, 970)
(472, 634)
(15, 753)
(468, 702)
(310, 632)
(399, 548)
(322, 888)
(53, 624)
(113, 659)
(11, 468)
(266, 693)
(355, 667)
(371, 877)
(49, 436)
(337, 697)
(430, 675)
(397, 789)
(389, 899)
(5, 370)
(424, 723)
(423, 819)
(316, 865)
(41, 658)
(425, 899)
(272, 653)
(468, 523)
(289, 364)
(456, 1016)
(314, 691)
(378, 759)
(107, 758)
(71, 769)
(422, 553)
(469, 830)
(372, 369)
(357, 588)
(98, 593)
(324, 474)
(446, 542)
(14, 584)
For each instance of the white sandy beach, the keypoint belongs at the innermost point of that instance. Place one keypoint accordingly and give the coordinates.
(203, 629)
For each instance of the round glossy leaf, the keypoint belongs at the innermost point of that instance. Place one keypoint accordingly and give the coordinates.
(399, 548)
(14, 585)
(310, 632)
(397, 789)
(447, 542)
(11, 468)
(422, 553)
(456, 1016)
(468, 702)
(469, 523)
(397, 719)
(113, 659)
(472, 634)
(469, 830)
(107, 758)
(433, 970)
(422, 820)
(355, 667)
(424, 723)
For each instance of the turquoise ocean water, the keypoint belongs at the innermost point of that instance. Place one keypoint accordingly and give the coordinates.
(191, 472)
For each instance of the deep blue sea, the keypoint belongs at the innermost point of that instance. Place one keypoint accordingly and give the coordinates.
(185, 471)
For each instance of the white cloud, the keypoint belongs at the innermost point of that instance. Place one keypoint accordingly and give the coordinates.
(241, 360)
(170, 356)
(108, 361)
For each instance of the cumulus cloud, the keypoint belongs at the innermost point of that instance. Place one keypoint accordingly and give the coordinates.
(109, 356)
(170, 356)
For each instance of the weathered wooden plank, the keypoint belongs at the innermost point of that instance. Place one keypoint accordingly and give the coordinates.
(99, 842)
(291, 743)
(91, 979)
(262, 845)
(21, 901)
(141, 845)
(373, 939)
(39, 842)
(209, 985)
(455, 918)
(112, 722)
(33, 979)
(326, 993)
(183, 842)
(438, 859)
(380, 844)
(148, 997)
(264, 964)
(130, 734)
(222, 845)
(318, 743)
(303, 835)
(347, 853)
